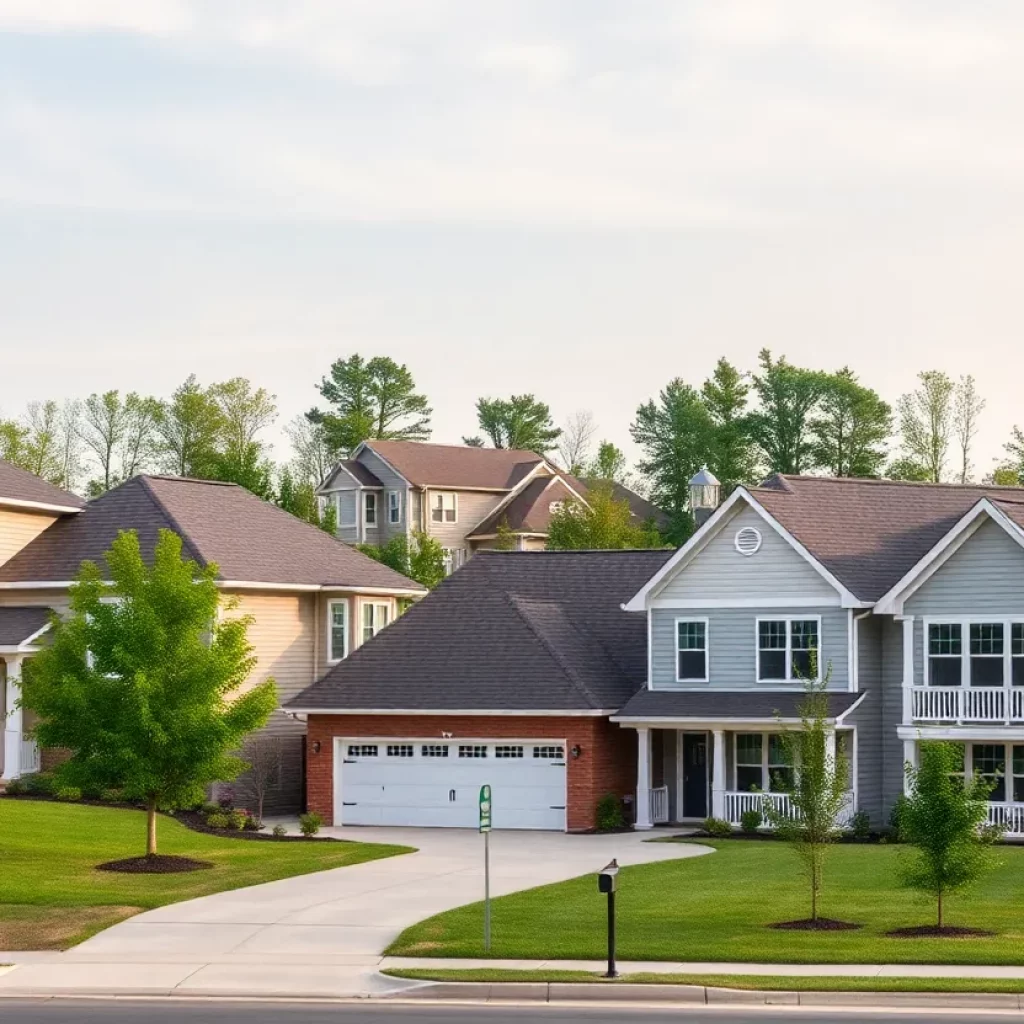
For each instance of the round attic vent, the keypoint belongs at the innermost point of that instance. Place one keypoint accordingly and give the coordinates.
(748, 541)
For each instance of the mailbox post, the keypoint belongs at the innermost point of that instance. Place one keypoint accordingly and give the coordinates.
(606, 882)
(485, 828)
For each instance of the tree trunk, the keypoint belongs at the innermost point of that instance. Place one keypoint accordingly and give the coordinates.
(151, 829)
(940, 908)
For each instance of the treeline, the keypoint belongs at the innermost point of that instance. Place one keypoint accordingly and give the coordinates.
(743, 424)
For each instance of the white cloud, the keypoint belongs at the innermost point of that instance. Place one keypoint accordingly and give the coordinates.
(540, 64)
(156, 17)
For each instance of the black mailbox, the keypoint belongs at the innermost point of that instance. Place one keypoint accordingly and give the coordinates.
(606, 879)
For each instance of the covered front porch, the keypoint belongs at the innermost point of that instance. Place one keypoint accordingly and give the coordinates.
(20, 628)
(693, 764)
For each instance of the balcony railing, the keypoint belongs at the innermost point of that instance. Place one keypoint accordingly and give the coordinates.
(996, 705)
(737, 804)
(30, 760)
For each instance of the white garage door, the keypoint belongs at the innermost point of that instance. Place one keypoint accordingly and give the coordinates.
(430, 784)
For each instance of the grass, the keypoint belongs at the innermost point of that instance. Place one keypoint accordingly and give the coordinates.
(718, 907)
(51, 896)
(747, 982)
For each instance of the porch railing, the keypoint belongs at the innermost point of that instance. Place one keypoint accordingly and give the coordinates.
(737, 804)
(996, 704)
(30, 758)
(1009, 816)
(659, 805)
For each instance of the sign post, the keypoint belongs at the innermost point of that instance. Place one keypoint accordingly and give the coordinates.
(485, 828)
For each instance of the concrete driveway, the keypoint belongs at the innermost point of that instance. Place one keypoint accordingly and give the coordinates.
(324, 933)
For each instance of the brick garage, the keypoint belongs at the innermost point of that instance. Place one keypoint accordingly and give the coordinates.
(607, 762)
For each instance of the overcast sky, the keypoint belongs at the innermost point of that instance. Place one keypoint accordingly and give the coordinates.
(580, 199)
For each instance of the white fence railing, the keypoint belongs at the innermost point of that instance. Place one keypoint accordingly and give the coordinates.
(996, 704)
(737, 804)
(30, 759)
(659, 805)
(1010, 817)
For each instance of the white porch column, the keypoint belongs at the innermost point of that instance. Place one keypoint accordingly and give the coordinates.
(13, 721)
(909, 757)
(908, 669)
(718, 774)
(643, 779)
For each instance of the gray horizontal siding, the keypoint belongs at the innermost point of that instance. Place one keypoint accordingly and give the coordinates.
(868, 719)
(732, 640)
(892, 714)
(719, 571)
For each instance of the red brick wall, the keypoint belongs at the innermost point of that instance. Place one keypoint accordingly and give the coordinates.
(607, 763)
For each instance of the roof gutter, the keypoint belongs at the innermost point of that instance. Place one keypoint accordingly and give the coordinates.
(40, 506)
(302, 588)
(441, 712)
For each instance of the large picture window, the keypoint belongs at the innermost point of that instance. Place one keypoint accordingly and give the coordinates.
(337, 630)
(787, 650)
(691, 650)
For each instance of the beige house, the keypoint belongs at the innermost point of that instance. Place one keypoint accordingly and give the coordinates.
(313, 600)
(459, 495)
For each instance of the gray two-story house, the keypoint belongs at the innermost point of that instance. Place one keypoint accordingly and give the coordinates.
(667, 677)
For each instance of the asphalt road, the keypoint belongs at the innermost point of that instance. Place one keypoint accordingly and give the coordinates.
(173, 1012)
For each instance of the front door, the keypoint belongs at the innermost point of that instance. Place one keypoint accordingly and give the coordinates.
(695, 775)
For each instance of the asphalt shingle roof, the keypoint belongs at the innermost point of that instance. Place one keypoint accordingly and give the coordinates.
(20, 485)
(746, 704)
(516, 631)
(445, 465)
(870, 533)
(249, 539)
(18, 624)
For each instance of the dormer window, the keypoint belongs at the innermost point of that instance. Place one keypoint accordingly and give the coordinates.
(444, 507)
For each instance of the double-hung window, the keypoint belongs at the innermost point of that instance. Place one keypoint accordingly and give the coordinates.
(987, 654)
(370, 508)
(945, 654)
(337, 630)
(787, 650)
(968, 652)
(762, 763)
(691, 650)
(1017, 653)
(394, 507)
(376, 616)
(444, 507)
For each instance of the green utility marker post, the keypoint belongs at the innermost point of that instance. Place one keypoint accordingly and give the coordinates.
(485, 828)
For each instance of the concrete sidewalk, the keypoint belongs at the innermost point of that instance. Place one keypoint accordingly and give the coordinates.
(321, 934)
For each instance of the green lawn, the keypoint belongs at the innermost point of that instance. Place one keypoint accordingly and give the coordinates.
(718, 907)
(51, 896)
(758, 983)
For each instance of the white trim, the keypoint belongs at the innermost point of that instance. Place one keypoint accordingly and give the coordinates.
(365, 495)
(963, 733)
(473, 537)
(340, 588)
(324, 488)
(705, 724)
(892, 602)
(444, 520)
(639, 602)
(757, 543)
(374, 627)
(39, 506)
(840, 719)
(765, 766)
(965, 622)
(707, 648)
(369, 445)
(447, 713)
(789, 620)
(397, 495)
(739, 602)
(330, 628)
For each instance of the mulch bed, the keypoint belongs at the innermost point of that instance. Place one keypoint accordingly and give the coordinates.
(196, 822)
(155, 864)
(772, 837)
(933, 931)
(823, 924)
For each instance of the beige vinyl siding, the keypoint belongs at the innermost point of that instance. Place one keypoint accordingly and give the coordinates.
(355, 624)
(282, 636)
(18, 529)
(720, 572)
(473, 508)
(56, 599)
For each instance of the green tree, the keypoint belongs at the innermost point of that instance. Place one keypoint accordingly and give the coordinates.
(788, 397)
(907, 469)
(141, 689)
(120, 434)
(677, 436)
(733, 458)
(520, 422)
(12, 442)
(506, 539)
(190, 429)
(1013, 470)
(818, 794)
(329, 520)
(249, 468)
(312, 456)
(245, 413)
(372, 399)
(609, 464)
(927, 421)
(851, 429)
(944, 818)
(601, 523)
(422, 561)
(968, 406)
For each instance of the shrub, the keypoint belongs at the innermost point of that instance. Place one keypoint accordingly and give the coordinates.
(69, 793)
(111, 796)
(251, 824)
(750, 821)
(16, 787)
(208, 809)
(236, 820)
(218, 820)
(860, 825)
(280, 830)
(309, 823)
(896, 818)
(717, 828)
(609, 816)
(39, 784)
(226, 800)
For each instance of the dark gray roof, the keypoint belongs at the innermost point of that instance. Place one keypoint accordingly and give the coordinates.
(746, 704)
(250, 540)
(870, 533)
(18, 624)
(19, 485)
(362, 475)
(510, 631)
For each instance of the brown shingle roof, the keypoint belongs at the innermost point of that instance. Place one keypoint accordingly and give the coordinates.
(443, 465)
(870, 533)
(530, 510)
(249, 539)
(18, 485)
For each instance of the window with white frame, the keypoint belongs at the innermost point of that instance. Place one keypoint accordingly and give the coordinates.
(986, 653)
(787, 650)
(370, 508)
(347, 506)
(452, 559)
(945, 654)
(444, 507)
(975, 652)
(337, 630)
(394, 507)
(761, 762)
(376, 615)
(691, 650)
(1001, 765)
(1017, 653)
